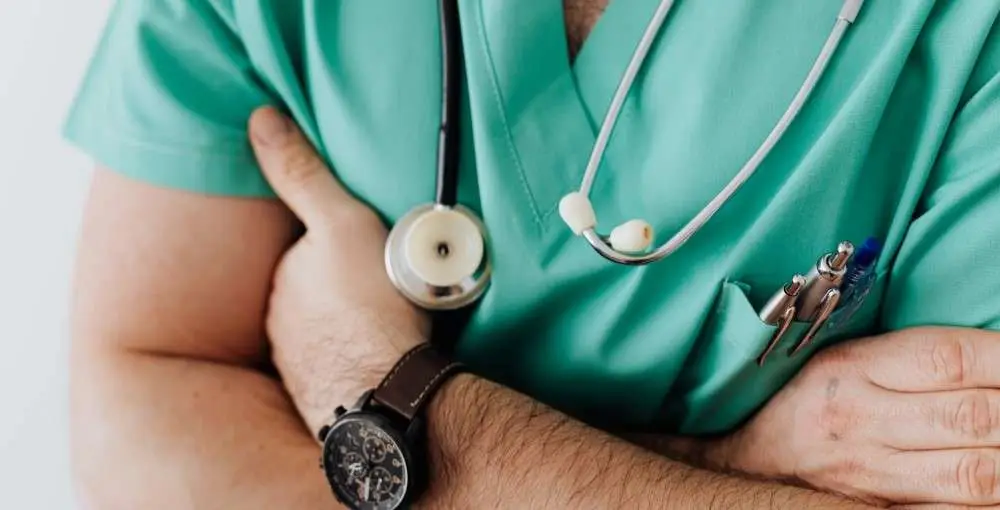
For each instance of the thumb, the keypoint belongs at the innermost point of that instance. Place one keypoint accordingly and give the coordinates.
(294, 169)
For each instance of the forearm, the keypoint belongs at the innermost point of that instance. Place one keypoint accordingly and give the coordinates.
(492, 447)
(157, 432)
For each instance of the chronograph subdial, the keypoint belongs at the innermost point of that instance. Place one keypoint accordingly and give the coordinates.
(375, 449)
(383, 483)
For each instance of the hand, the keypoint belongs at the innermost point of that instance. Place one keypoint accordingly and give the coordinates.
(336, 323)
(910, 417)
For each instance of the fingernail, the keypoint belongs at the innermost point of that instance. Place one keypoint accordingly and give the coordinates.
(270, 127)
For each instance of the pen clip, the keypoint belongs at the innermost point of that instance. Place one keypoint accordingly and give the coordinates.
(826, 307)
(784, 323)
(777, 306)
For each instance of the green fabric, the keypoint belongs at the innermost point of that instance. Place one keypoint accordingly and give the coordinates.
(901, 140)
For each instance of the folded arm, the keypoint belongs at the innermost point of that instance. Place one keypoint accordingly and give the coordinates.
(496, 448)
(170, 406)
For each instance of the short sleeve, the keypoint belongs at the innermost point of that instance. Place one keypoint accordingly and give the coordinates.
(947, 271)
(167, 97)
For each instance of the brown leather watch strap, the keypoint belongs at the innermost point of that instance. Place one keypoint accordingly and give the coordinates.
(414, 380)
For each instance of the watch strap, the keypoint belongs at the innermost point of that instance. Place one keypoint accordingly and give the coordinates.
(414, 380)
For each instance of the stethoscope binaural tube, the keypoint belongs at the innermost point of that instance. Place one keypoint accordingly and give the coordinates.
(629, 243)
(449, 135)
(436, 255)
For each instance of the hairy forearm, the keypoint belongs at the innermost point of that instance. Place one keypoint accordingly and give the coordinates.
(492, 447)
(157, 432)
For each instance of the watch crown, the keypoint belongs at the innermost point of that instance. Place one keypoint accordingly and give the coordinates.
(340, 411)
(323, 432)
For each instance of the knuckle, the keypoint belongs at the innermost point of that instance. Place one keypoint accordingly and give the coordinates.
(835, 420)
(974, 415)
(833, 417)
(976, 476)
(946, 360)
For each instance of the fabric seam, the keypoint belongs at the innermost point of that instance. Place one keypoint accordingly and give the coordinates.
(508, 136)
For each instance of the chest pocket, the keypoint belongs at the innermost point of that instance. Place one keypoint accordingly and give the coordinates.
(722, 385)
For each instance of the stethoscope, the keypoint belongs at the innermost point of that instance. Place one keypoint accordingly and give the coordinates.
(436, 255)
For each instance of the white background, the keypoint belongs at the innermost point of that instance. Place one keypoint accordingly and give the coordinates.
(44, 47)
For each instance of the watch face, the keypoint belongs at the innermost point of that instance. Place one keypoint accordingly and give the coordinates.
(365, 462)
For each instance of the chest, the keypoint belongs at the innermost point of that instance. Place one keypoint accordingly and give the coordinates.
(581, 16)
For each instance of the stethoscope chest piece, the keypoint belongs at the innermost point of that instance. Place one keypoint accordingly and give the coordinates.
(436, 257)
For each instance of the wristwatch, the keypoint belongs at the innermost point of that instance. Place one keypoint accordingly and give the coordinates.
(374, 454)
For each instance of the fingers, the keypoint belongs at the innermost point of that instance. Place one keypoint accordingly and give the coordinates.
(962, 477)
(937, 421)
(294, 169)
(930, 359)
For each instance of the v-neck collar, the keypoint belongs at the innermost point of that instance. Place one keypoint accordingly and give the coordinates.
(552, 108)
(605, 53)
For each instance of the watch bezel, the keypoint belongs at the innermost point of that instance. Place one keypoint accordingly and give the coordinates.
(385, 424)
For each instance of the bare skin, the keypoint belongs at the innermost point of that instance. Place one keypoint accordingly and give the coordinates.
(581, 16)
(171, 407)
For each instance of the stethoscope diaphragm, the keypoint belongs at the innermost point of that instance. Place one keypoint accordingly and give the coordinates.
(436, 256)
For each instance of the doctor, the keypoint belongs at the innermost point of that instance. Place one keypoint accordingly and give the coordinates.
(898, 141)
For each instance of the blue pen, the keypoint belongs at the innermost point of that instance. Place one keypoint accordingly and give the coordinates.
(858, 280)
(861, 267)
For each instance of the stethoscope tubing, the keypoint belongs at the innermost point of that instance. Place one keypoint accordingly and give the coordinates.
(449, 134)
(599, 243)
(622, 92)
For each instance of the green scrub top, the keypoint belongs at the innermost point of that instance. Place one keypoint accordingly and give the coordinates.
(901, 140)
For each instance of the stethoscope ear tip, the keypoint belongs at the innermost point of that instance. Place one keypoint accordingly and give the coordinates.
(634, 236)
(577, 212)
